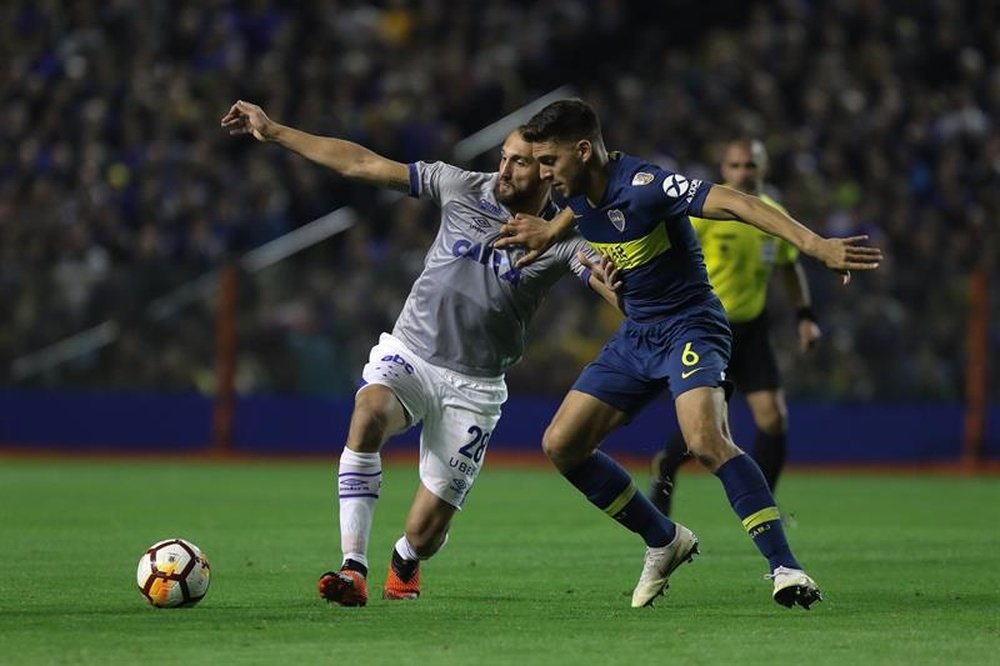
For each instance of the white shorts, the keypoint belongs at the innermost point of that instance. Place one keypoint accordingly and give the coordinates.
(459, 414)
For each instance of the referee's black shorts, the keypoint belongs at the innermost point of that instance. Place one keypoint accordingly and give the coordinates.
(753, 365)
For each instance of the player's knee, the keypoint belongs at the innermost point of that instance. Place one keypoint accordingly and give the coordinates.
(558, 448)
(372, 419)
(770, 414)
(711, 447)
(773, 423)
(772, 419)
(550, 444)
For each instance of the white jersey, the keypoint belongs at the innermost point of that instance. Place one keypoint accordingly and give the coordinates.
(469, 308)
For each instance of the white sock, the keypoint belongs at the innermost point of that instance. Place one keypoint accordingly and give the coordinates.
(359, 482)
(405, 550)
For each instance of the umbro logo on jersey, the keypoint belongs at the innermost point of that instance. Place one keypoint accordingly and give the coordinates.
(675, 186)
(617, 218)
(480, 224)
(642, 178)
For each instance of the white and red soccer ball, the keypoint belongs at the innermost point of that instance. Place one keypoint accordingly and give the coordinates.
(173, 572)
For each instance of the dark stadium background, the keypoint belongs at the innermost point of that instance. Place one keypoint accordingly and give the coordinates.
(122, 204)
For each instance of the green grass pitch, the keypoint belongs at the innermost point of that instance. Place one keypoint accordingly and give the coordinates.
(909, 566)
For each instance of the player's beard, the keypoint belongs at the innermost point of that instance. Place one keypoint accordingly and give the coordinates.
(523, 200)
(510, 196)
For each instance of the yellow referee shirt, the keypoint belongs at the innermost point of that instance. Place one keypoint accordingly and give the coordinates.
(740, 258)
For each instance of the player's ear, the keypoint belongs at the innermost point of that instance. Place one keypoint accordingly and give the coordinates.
(584, 149)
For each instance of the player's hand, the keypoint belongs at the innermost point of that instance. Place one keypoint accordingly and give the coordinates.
(246, 118)
(848, 254)
(809, 335)
(530, 232)
(605, 270)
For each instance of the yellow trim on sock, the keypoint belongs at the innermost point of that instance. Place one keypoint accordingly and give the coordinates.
(621, 500)
(765, 515)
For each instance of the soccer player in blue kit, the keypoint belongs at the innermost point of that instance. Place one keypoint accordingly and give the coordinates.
(675, 335)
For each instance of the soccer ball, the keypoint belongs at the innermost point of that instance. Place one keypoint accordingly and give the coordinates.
(172, 573)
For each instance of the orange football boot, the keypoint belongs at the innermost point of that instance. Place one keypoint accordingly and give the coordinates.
(345, 587)
(396, 588)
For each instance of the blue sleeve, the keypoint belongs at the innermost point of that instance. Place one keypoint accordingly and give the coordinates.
(698, 200)
(669, 194)
(414, 181)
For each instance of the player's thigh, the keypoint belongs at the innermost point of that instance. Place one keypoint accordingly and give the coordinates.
(456, 434)
(701, 414)
(579, 426)
(397, 388)
(378, 414)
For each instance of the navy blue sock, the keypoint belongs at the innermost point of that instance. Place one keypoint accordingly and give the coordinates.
(610, 488)
(754, 504)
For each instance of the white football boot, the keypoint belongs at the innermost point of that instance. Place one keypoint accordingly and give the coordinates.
(660, 563)
(793, 586)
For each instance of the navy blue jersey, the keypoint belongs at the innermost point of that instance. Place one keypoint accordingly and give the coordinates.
(642, 225)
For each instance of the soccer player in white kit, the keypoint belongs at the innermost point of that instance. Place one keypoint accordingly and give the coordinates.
(461, 327)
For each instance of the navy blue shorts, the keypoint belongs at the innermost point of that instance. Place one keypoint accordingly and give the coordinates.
(643, 359)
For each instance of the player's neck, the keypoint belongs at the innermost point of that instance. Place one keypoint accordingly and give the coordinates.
(534, 206)
(597, 183)
(597, 175)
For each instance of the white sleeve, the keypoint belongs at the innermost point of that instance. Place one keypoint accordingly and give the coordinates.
(566, 251)
(438, 181)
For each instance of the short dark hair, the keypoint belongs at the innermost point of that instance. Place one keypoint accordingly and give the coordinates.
(565, 120)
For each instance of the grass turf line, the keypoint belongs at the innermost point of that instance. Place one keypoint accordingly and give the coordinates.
(532, 574)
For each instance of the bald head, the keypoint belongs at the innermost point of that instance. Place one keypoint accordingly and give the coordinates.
(744, 164)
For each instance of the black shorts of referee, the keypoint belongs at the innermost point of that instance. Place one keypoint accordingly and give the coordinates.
(753, 365)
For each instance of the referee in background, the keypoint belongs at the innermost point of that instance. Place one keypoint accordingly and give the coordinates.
(740, 259)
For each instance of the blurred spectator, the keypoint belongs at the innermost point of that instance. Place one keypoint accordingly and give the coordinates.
(116, 184)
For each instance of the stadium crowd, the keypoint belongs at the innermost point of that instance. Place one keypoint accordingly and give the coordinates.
(117, 185)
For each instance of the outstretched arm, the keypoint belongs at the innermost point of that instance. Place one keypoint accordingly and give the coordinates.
(839, 254)
(344, 157)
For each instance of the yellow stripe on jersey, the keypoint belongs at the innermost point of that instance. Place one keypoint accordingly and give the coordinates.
(619, 502)
(739, 258)
(761, 517)
(635, 253)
